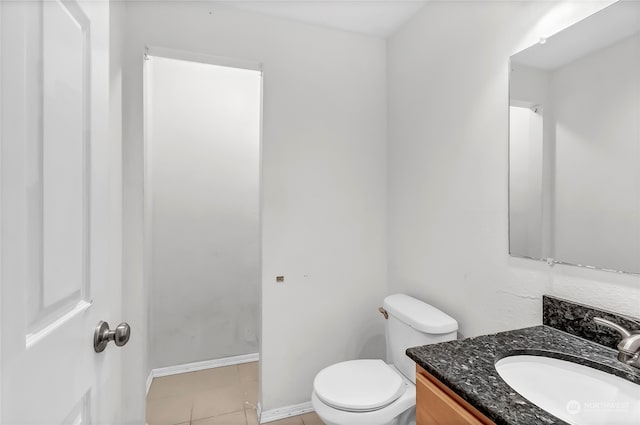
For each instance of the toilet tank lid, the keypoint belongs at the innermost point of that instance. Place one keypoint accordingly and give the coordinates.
(419, 315)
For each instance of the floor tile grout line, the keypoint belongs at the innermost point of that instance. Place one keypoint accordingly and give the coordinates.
(243, 384)
(217, 416)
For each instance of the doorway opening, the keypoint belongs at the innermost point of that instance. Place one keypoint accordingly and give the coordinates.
(202, 235)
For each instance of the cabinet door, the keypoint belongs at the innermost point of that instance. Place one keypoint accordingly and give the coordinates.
(434, 406)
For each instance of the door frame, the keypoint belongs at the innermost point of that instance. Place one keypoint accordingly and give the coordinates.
(1, 146)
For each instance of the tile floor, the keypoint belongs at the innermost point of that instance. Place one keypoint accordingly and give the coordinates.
(220, 396)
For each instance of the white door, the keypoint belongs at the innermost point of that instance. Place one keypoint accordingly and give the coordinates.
(57, 252)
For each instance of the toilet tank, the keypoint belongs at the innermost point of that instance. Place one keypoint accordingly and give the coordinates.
(410, 323)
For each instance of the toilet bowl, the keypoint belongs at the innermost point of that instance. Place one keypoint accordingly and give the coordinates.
(376, 401)
(372, 392)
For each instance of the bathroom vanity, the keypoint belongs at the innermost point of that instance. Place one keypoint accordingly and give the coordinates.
(438, 404)
(458, 381)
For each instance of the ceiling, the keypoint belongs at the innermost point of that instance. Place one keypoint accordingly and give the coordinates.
(373, 18)
(610, 25)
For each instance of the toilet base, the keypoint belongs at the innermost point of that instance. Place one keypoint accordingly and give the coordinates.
(407, 418)
(406, 406)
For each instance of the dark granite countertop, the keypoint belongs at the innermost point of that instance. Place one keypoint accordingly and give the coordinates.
(467, 367)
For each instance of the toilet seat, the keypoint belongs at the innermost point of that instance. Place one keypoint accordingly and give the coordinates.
(359, 385)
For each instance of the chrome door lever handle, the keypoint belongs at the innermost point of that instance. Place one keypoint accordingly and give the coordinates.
(102, 335)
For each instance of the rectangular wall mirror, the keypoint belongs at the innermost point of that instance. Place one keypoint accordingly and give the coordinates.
(574, 144)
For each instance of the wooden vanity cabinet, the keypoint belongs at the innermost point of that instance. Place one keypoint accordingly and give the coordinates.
(436, 404)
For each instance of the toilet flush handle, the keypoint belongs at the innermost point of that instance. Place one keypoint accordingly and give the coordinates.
(384, 312)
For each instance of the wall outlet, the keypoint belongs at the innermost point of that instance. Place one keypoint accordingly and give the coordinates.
(279, 278)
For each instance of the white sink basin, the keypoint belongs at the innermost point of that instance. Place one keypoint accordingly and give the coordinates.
(574, 393)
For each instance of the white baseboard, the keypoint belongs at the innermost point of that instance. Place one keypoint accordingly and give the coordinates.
(207, 364)
(283, 412)
(258, 410)
(149, 379)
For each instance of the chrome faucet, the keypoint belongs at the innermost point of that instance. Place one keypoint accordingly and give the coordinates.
(629, 345)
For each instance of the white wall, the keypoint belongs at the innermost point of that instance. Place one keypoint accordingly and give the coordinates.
(323, 180)
(525, 181)
(530, 87)
(598, 155)
(448, 168)
(203, 178)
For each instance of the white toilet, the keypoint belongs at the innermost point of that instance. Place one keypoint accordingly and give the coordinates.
(372, 392)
